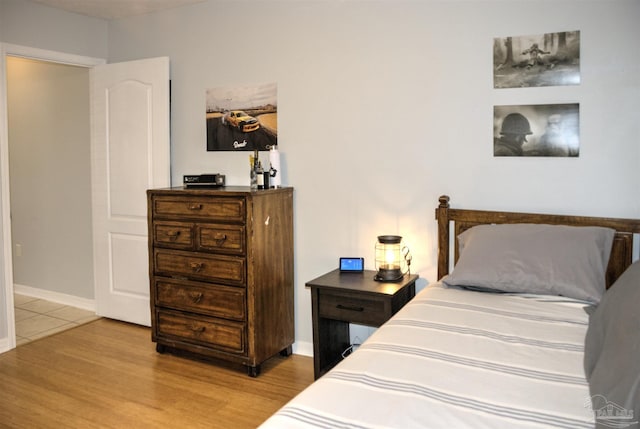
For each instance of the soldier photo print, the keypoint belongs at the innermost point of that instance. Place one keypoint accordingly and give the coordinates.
(550, 59)
(536, 130)
(242, 118)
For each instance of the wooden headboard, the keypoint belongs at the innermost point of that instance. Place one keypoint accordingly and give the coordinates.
(621, 252)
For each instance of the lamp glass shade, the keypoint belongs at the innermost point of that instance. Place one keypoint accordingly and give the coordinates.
(389, 258)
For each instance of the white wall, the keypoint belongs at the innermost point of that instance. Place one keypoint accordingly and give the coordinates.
(50, 164)
(31, 24)
(385, 105)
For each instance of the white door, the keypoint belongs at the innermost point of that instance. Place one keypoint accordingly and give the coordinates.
(130, 153)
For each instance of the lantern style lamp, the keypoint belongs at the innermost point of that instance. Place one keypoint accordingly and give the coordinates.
(391, 256)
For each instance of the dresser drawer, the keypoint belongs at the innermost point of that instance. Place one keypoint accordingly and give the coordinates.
(224, 209)
(200, 266)
(221, 238)
(214, 300)
(177, 235)
(371, 311)
(207, 331)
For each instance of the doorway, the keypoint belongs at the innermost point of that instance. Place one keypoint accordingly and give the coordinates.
(43, 246)
(50, 190)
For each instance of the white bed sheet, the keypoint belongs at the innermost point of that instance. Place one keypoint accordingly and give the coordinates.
(453, 358)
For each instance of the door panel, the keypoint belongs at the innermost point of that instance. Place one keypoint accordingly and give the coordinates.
(129, 144)
(130, 154)
(129, 276)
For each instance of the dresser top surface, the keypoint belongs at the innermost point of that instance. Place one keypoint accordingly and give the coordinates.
(223, 190)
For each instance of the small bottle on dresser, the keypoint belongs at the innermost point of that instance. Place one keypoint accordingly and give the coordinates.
(253, 178)
(260, 175)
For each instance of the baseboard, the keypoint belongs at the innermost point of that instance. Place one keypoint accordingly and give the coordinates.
(303, 348)
(4, 345)
(60, 298)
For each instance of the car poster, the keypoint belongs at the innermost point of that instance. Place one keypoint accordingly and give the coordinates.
(242, 118)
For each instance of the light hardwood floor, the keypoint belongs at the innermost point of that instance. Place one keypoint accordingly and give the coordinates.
(107, 374)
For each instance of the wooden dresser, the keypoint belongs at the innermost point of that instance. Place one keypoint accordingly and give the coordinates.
(221, 272)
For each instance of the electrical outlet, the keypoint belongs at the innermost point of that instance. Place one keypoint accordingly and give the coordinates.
(18, 250)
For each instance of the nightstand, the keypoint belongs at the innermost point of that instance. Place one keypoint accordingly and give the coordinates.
(338, 299)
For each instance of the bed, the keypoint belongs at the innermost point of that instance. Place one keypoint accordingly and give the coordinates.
(536, 326)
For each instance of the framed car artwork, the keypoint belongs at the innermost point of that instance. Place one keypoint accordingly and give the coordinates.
(243, 118)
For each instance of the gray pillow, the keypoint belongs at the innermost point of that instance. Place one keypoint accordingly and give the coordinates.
(612, 348)
(530, 258)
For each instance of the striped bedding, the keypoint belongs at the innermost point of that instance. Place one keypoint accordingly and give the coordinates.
(454, 358)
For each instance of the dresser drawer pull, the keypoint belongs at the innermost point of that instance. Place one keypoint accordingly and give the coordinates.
(349, 308)
(196, 329)
(220, 239)
(197, 266)
(173, 235)
(195, 297)
(195, 206)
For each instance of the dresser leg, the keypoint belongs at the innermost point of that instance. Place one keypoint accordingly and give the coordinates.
(253, 371)
(160, 348)
(286, 352)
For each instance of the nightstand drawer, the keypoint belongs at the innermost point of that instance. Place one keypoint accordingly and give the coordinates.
(200, 266)
(215, 333)
(224, 209)
(214, 300)
(353, 308)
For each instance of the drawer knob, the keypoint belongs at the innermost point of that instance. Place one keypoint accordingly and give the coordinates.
(349, 308)
(195, 206)
(197, 329)
(220, 239)
(173, 235)
(197, 266)
(195, 297)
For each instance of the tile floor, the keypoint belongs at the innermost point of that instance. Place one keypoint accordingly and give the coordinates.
(37, 318)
